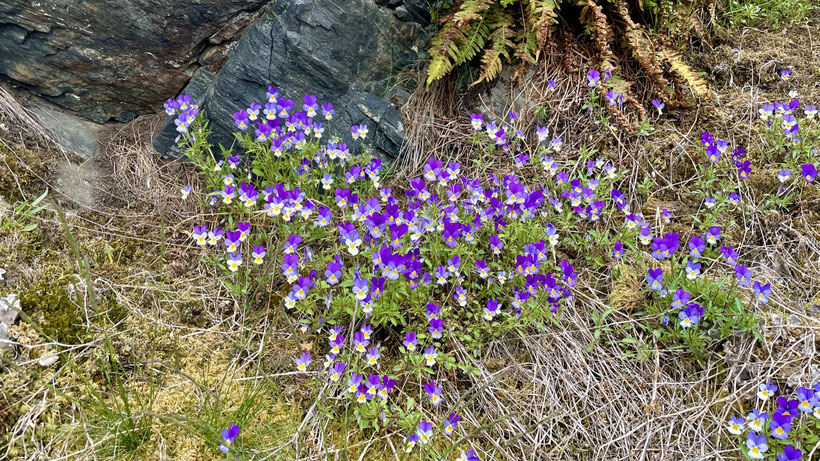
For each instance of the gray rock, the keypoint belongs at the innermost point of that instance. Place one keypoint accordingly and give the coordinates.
(114, 58)
(72, 133)
(341, 51)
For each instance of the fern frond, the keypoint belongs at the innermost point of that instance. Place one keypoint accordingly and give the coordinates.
(543, 17)
(689, 76)
(501, 42)
(471, 11)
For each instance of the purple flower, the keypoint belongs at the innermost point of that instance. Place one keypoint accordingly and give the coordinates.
(359, 342)
(756, 443)
(433, 392)
(736, 425)
(766, 390)
(680, 298)
(496, 244)
(229, 437)
(450, 424)
(258, 254)
(790, 454)
(730, 254)
(336, 371)
(691, 315)
(696, 246)
(491, 310)
(593, 77)
(762, 292)
(654, 277)
(436, 327)
(476, 120)
(658, 105)
(780, 426)
(744, 275)
(303, 361)
(424, 432)
(410, 342)
(712, 235)
(292, 243)
(806, 399)
(373, 355)
(809, 172)
(692, 270)
(618, 250)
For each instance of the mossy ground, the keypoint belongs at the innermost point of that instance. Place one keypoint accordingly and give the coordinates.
(165, 360)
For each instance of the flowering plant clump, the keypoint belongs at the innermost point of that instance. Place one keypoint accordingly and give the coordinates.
(782, 429)
(399, 275)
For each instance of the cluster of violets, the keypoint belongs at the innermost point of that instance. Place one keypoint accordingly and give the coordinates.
(779, 425)
(664, 247)
(783, 116)
(446, 238)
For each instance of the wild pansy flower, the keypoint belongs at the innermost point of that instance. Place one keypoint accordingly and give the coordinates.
(373, 355)
(353, 382)
(712, 235)
(730, 255)
(780, 426)
(410, 442)
(785, 74)
(743, 275)
(215, 236)
(787, 407)
(691, 315)
(410, 342)
(327, 111)
(481, 266)
(234, 260)
(736, 425)
(336, 371)
(756, 443)
(790, 454)
(425, 432)
(436, 327)
(810, 111)
(461, 296)
(433, 392)
(696, 246)
(258, 254)
(618, 250)
(734, 198)
(709, 202)
(809, 172)
(227, 195)
(229, 437)
(200, 235)
(450, 424)
(756, 420)
(766, 391)
(762, 292)
(468, 456)
(476, 120)
(654, 278)
(806, 400)
(430, 355)
(491, 310)
(359, 343)
(360, 287)
(542, 132)
(680, 298)
(303, 362)
(659, 106)
(593, 77)
(556, 144)
(744, 169)
(387, 385)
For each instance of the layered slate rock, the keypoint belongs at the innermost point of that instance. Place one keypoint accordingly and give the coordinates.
(342, 51)
(115, 59)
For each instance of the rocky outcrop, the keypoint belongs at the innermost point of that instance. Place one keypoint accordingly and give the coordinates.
(342, 51)
(116, 59)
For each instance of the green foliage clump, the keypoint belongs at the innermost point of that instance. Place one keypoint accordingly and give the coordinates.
(61, 318)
